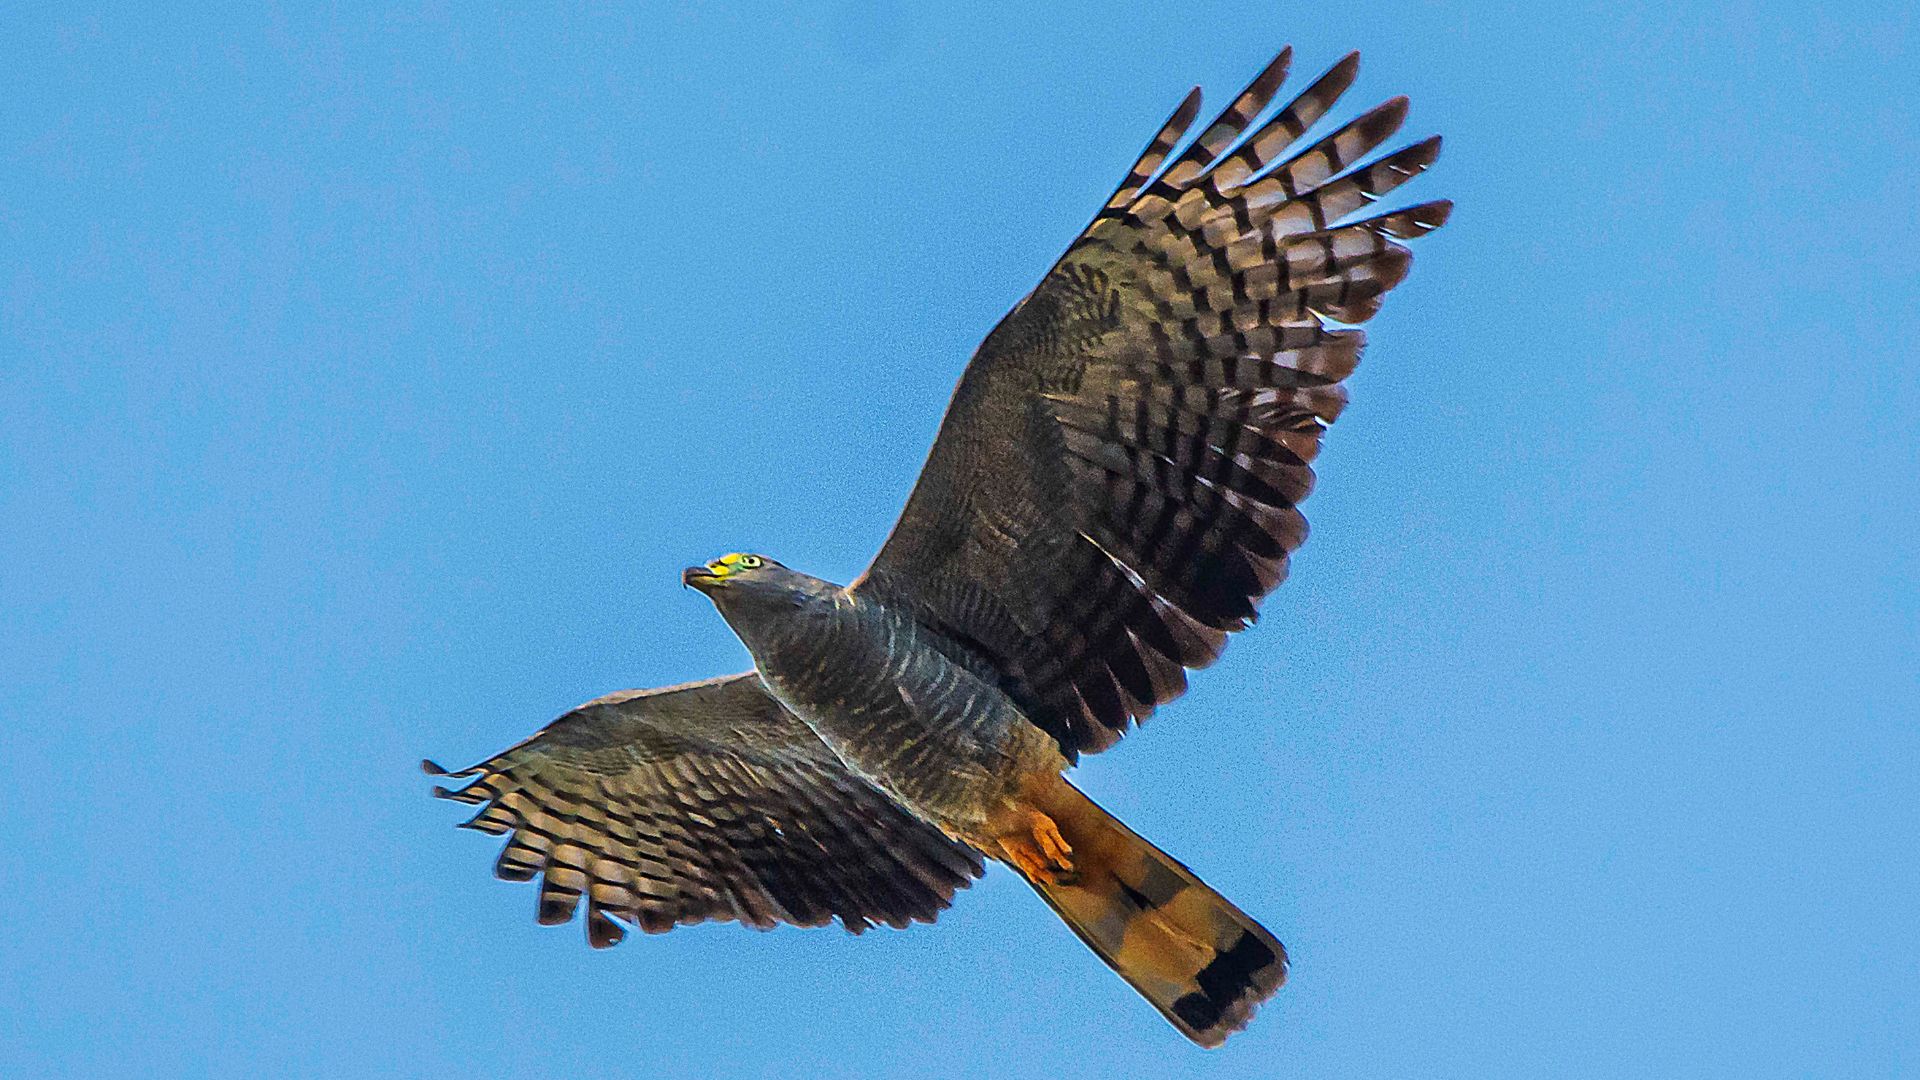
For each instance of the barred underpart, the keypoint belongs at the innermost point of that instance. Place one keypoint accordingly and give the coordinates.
(704, 801)
(1117, 480)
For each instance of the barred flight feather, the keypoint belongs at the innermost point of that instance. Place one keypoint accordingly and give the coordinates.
(703, 801)
(1115, 488)
(1142, 424)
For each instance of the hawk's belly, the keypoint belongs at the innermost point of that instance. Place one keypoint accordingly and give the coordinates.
(946, 744)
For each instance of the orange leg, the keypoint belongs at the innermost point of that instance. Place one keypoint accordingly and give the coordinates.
(1036, 849)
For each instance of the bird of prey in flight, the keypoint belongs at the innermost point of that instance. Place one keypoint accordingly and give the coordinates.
(1114, 488)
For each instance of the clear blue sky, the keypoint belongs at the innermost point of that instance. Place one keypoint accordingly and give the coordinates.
(365, 380)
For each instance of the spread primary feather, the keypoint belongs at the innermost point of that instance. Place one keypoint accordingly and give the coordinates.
(1115, 487)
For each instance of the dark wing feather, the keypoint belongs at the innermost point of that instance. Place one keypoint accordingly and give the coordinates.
(1115, 485)
(704, 801)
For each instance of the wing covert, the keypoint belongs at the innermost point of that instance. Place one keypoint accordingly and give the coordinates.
(704, 801)
(1116, 483)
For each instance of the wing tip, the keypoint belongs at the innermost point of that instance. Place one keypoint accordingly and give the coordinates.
(1188, 108)
(1274, 73)
(602, 931)
(1409, 160)
(1433, 215)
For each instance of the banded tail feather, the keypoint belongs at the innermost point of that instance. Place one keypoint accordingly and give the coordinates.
(1194, 956)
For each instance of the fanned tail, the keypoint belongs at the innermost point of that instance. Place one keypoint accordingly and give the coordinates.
(1198, 959)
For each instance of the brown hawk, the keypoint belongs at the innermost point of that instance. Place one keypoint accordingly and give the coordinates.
(1114, 488)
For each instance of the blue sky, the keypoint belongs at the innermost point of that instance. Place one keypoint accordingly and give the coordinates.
(365, 380)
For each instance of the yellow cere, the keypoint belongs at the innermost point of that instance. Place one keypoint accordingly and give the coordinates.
(732, 563)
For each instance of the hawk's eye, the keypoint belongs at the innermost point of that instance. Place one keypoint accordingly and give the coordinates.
(750, 562)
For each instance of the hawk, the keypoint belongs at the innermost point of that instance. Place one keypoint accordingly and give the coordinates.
(1115, 486)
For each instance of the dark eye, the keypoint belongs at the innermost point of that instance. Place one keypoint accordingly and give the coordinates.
(751, 562)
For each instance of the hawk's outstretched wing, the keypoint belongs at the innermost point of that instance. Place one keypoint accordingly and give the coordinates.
(1115, 484)
(705, 801)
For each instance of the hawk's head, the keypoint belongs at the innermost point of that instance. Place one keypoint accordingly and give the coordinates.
(732, 571)
(745, 586)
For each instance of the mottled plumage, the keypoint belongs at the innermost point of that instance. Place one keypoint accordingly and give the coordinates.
(1113, 490)
(705, 801)
(1117, 480)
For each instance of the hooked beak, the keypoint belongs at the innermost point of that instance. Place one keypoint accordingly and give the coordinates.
(698, 577)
